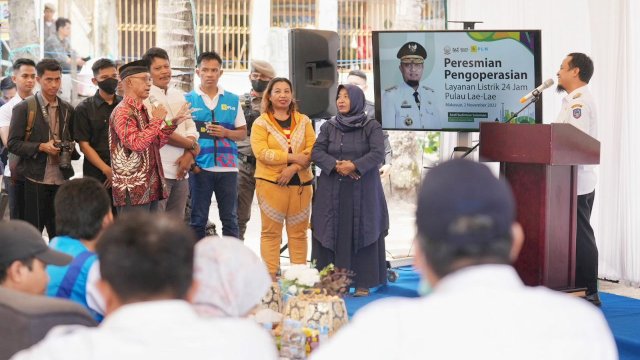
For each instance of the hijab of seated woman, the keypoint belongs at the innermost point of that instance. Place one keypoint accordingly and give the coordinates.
(355, 118)
(231, 279)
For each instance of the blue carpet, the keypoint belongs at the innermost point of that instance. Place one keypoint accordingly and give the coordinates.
(622, 313)
(405, 286)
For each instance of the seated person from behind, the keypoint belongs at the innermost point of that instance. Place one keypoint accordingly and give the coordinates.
(231, 279)
(25, 315)
(479, 309)
(146, 264)
(83, 211)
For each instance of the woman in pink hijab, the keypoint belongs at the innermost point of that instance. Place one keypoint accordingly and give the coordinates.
(231, 279)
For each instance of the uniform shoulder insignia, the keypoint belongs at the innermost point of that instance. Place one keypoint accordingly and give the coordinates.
(391, 88)
(427, 88)
(577, 113)
(577, 95)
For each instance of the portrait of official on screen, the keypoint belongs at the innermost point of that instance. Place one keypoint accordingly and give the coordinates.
(408, 103)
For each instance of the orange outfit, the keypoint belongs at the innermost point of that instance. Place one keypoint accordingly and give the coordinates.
(292, 203)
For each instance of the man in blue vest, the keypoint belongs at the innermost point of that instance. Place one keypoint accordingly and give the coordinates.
(220, 123)
(84, 210)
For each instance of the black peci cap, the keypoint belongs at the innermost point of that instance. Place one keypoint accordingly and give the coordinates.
(132, 68)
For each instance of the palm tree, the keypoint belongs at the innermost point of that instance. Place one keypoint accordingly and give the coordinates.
(105, 28)
(175, 32)
(406, 148)
(25, 39)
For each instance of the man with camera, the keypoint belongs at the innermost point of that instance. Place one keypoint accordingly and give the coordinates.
(40, 134)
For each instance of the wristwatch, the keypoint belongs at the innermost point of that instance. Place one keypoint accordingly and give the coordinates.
(193, 145)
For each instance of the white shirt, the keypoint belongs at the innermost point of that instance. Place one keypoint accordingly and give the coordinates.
(6, 111)
(400, 109)
(169, 329)
(173, 100)
(240, 121)
(480, 312)
(579, 110)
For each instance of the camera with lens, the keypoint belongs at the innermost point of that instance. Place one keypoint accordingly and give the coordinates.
(66, 148)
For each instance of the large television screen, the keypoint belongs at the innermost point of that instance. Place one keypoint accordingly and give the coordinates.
(454, 80)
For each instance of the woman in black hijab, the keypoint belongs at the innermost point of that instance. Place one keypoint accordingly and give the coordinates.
(350, 218)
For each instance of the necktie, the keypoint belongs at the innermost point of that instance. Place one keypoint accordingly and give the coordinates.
(416, 96)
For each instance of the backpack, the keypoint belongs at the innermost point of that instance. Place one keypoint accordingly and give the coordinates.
(14, 159)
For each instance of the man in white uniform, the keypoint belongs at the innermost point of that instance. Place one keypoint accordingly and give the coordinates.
(409, 105)
(480, 308)
(579, 110)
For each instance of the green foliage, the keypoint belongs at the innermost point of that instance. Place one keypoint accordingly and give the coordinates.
(431, 144)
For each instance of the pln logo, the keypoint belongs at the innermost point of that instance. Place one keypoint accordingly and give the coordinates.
(478, 49)
(447, 50)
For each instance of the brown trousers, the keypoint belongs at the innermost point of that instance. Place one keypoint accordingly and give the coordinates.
(277, 205)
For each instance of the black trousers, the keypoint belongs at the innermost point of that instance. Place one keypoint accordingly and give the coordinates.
(586, 250)
(15, 189)
(38, 206)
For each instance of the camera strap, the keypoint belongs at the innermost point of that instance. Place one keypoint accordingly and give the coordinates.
(45, 115)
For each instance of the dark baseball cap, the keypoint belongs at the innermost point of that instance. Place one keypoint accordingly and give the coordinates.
(20, 240)
(461, 202)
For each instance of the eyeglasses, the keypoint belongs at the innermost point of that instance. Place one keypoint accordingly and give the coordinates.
(146, 79)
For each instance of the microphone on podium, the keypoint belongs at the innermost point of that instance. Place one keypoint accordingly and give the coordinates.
(537, 91)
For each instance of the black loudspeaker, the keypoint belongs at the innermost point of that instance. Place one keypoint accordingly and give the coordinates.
(313, 58)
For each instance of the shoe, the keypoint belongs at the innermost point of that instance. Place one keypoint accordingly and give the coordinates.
(360, 292)
(593, 298)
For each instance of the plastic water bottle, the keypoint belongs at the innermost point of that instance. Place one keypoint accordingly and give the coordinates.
(292, 344)
(324, 334)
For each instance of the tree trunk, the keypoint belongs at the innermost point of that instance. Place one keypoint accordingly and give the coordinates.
(175, 31)
(105, 25)
(25, 37)
(406, 148)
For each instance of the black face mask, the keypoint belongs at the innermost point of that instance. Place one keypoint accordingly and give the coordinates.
(108, 85)
(259, 85)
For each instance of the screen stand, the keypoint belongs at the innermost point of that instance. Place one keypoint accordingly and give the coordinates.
(463, 145)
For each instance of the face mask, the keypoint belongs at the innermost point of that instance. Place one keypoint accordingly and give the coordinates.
(108, 85)
(259, 85)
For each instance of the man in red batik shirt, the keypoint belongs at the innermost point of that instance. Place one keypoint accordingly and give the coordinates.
(135, 140)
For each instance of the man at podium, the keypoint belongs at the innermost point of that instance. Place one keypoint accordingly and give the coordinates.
(578, 109)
